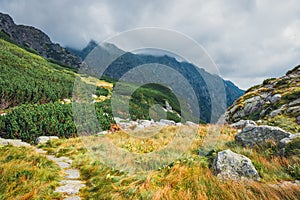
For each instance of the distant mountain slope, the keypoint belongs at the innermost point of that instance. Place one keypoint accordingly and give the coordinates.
(125, 61)
(36, 39)
(273, 100)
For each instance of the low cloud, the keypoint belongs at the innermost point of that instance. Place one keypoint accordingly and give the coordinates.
(249, 40)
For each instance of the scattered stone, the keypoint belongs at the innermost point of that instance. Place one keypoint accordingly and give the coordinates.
(103, 133)
(72, 174)
(3, 142)
(189, 123)
(260, 135)
(275, 112)
(230, 165)
(167, 122)
(70, 187)
(294, 110)
(17, 143)
(242, 123)
(294, 103)
(275, 98)
(40, 151)
(60, 159)
(287, 184)
(253, 105)
(298, 119)
(63, 165)
(283, 142)
(168, 107)
(73, 198)
(44, 139)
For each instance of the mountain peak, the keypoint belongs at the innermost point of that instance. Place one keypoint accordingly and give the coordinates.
(33, 38)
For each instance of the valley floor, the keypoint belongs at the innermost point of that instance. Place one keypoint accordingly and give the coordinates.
(188, 177)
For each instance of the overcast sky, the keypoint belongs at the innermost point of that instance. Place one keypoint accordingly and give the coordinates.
(248, 40)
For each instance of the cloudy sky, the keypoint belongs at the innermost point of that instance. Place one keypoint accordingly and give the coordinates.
(249, 40)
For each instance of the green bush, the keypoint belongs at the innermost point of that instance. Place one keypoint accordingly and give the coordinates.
(27, 122)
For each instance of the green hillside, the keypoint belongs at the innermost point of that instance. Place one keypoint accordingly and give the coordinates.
(29, 78)
(33, 92)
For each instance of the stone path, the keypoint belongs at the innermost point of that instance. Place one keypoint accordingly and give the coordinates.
(71, 184)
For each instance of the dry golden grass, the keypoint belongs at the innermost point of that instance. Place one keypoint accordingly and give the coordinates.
(26, 175)
(187, 177)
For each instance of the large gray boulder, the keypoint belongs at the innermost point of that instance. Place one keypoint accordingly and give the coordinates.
(242, 123)
(230, 165)
(260, 135)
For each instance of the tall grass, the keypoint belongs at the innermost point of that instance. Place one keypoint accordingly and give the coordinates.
(187, 177)
(26, 175)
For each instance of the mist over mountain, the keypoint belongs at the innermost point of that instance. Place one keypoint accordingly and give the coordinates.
(114, 63)
(37, 40)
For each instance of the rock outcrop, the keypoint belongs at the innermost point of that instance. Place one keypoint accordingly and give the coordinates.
(276, 96)
(230, 165)
(260, 136)
(34, 38)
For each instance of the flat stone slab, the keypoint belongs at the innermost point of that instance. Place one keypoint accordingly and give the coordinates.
(17, 143)
(72, 174)
(41, 151)
(73, 198)
(60, 159)
(63, 165)
(70, 187)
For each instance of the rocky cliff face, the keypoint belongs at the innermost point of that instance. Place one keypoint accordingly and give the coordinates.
(36, 39)
(276, 96)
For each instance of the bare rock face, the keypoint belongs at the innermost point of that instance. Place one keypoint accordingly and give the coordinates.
(260, 135)
(230, 165)
(36, 39)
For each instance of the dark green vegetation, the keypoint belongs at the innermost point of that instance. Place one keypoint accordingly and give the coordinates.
(148, 95)
(27, 175)
(28, 78)
(196, 78)
(31, 90)
(207, 87)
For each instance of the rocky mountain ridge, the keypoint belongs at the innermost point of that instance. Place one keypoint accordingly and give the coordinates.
(274, 98)
(37, 40)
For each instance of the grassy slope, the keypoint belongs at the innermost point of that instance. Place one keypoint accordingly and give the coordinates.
(26, 175)
(28, 78)
(187, 178)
